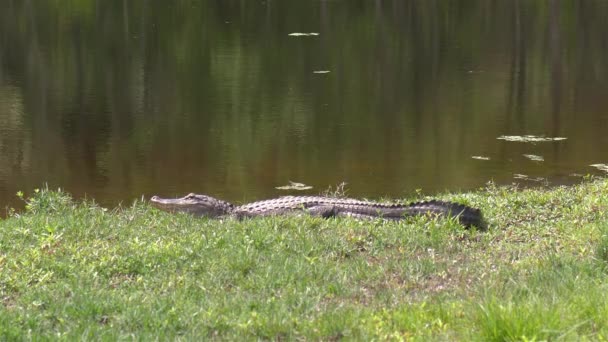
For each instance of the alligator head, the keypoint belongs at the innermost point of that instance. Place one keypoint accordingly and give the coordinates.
(200, 205)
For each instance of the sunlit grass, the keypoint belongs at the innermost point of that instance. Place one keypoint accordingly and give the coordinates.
(77, 271)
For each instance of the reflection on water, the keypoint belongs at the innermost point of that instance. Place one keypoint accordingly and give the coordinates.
(115, 99)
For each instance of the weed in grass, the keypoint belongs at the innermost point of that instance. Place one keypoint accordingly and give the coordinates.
(601, 251)
(508, 321)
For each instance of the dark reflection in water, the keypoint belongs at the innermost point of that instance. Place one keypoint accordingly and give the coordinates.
(118, 99)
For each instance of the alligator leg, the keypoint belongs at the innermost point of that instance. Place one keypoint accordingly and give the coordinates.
(327, 211)
(324, 211)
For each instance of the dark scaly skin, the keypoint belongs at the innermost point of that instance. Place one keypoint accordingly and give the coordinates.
(202, 205)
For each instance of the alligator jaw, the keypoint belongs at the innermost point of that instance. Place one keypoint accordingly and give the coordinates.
(199, 205)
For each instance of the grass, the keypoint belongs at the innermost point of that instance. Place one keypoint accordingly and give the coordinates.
(73, 270)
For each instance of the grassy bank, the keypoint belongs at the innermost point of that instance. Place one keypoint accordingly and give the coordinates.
(74, 270)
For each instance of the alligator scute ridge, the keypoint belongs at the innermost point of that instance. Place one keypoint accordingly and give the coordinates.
(203, 205)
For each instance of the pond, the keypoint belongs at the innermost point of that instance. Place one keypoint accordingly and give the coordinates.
(115, 100)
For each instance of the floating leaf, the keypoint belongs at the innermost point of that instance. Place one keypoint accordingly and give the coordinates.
(294, 186)
(528, 138)
(528, 178)
(480, 158)
(601, 167)
(534, 157)
(321, 72)
(302, 34)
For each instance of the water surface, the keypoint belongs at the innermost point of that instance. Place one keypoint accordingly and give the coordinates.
(119, 99)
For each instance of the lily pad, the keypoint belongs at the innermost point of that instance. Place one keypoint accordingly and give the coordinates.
(480, 157)
(303, 34)
(601, 167)
(534, 157)
(529, 138)
(294, 186)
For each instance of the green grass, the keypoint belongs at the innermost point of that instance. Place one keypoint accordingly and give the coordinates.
(77, 271)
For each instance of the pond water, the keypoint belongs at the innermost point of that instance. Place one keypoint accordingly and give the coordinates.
(113, 99)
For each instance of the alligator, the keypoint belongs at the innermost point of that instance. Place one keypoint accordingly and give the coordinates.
(203, 205)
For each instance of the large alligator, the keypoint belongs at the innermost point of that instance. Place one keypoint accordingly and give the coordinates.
(203, 205)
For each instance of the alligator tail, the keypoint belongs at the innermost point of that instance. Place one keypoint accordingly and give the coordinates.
(466, 215)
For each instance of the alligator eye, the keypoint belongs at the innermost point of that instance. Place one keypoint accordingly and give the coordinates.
(191, 196)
